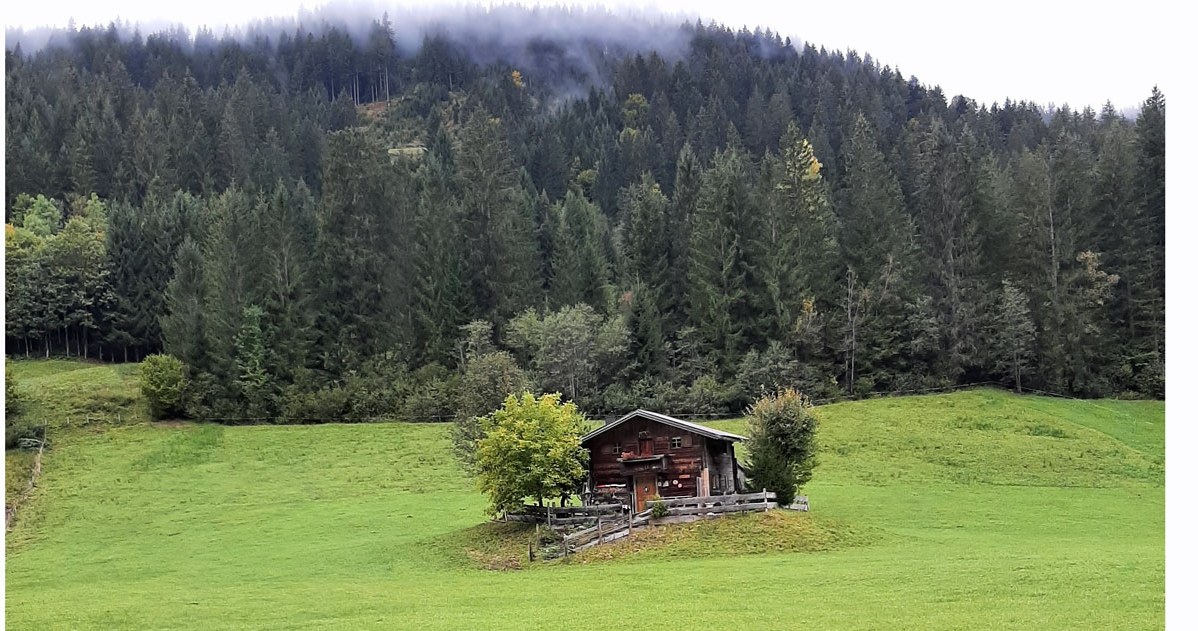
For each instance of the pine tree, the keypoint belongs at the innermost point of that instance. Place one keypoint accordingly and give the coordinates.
(1014, 335)
(1149, 290)
(645, 210)
(287, 220)
(357, 236)
(720, 268)
(582, 273)
(945, 175)
(681, 221)
(184, 330)
(440, 293)
(499, 270)
(254, 383)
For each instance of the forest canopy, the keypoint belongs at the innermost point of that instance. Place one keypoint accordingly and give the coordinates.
(322, 225)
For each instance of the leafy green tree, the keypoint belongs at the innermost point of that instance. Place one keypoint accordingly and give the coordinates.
(489, 379)
(782, 441)
(43, 217)
(163, 379)
(770, 370)
(570, 349)
(13, 399)
(530, 449)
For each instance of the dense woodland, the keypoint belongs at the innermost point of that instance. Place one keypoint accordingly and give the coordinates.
(321, 224)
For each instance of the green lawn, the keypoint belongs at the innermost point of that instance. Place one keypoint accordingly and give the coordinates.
(58, 392)
(975, 510)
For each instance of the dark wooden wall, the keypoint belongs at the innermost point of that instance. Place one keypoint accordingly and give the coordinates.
(685, 464)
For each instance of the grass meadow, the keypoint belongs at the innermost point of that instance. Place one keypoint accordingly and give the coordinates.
(972, 510)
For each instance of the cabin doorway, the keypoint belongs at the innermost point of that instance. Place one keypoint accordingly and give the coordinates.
(644, 487)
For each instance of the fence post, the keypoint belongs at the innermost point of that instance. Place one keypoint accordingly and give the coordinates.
(766, 494)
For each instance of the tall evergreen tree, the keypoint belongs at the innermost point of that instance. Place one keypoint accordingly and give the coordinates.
(720, 267)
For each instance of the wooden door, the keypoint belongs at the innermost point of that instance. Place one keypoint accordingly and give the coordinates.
(645, 486)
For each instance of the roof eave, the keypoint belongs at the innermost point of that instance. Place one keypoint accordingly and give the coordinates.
(707, 432)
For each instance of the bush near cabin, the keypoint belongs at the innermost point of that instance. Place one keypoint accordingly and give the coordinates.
(781, 443)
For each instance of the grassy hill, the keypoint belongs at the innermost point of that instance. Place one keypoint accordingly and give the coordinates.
(973, 510)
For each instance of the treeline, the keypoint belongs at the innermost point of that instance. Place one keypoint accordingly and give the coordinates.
(749, 218)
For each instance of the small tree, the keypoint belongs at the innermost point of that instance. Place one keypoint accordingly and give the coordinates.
(781, 443)
(162, 383)
(489, 380)
(530, 449)
(1016, 335)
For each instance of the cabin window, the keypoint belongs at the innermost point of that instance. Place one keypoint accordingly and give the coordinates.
(676, 442)
(615, 449)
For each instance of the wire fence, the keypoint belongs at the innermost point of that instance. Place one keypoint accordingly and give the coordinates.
(442, 418)
(710, 416)
(10, 510)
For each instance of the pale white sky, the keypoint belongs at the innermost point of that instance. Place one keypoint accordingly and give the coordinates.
(1046, 51)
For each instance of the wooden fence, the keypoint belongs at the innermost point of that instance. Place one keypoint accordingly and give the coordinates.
(611, 527)
(606, 529)
(716, 504)
(565, 515)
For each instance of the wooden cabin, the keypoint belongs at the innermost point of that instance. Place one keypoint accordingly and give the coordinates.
(645, 453)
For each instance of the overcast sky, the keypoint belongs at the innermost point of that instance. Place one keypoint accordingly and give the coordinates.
(1046, 51)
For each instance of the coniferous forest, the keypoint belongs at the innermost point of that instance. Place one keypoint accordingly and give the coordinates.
(325, 221)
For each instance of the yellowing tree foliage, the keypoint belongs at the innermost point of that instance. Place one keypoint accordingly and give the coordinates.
(530, 449)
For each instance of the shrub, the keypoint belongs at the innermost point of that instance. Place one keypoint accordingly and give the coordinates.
(374, 389)
(322, 404)
(659, 508)
(12, 394)
(162, 383)
(707, 396)
(430, 394)
(489, 379)
(782, 442)
(16, 426)
(199, 396)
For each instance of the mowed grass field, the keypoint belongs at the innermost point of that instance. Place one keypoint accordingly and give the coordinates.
(973, 510)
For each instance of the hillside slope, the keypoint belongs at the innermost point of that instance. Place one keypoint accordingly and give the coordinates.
(992, 512)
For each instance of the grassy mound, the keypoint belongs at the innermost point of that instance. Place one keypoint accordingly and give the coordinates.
(733, 535)
(61, 392)
(490, 546)
(990, 437)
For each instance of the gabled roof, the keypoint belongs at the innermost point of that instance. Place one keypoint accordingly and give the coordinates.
(696, 428)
